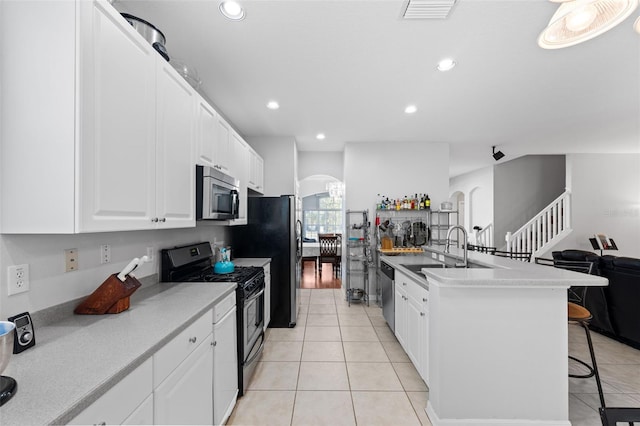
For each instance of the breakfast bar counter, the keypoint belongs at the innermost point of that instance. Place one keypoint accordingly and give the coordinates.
(497, 339)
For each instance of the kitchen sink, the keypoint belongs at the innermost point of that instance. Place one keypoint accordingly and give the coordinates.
(418, 268)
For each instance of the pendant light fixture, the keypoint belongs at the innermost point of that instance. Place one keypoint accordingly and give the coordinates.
(576, 21)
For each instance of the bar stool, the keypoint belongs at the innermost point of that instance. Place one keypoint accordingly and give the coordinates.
(581, 315)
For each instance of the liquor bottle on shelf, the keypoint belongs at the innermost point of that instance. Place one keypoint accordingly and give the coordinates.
(427, 203)
(421, 206)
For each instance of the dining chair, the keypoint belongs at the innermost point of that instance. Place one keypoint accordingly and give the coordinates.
(329, 253)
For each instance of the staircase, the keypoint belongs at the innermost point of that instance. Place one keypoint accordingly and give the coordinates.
(484, 236)
(545, 229)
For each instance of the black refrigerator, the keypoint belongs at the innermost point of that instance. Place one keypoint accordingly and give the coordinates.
(274, 230)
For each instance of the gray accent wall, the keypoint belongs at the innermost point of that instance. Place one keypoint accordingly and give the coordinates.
(522, 188)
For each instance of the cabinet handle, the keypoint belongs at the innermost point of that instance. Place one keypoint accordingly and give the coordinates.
(214, 343)
(155, 219)
(100, 424)
(404, 283)
(424, 299)
(192, 339)
(164, 219)
(421, 314)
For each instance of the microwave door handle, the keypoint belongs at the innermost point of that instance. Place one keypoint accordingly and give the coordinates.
(235, 202)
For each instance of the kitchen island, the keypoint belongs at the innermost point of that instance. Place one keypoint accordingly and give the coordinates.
(497, 339)
(78, 358)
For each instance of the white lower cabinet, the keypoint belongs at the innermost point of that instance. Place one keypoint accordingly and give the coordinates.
(412, 322)
(143, 415)
(124, 402)
(400, 300)
(186, 396)
(183, 376)
(225, 361)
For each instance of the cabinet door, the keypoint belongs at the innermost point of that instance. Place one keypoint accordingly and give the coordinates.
(117, 123)
(221, 156)
(400, 296)
(414, 329)
(425, 339)
(143, 415)
(241, 171)
(206, 133)
(225, 367)
(186, 395)
(175, 172)
(256, 177)
(122, 401)
(259, 174)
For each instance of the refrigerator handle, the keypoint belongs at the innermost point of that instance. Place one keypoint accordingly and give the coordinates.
(299, 239)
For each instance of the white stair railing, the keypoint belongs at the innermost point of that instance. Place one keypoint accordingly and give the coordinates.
(543, 228)
(484, 236)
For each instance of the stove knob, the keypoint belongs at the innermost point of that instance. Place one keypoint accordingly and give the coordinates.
(26, 338)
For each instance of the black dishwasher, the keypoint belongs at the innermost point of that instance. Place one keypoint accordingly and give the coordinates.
(386, 276)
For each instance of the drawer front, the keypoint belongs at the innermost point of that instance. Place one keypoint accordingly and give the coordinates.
(417, 292)
(115, 406)
(224, 306)
(174, 352)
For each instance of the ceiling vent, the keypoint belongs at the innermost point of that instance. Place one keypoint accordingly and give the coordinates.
(428, 9)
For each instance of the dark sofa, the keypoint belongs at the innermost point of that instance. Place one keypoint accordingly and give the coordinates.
(615, 308)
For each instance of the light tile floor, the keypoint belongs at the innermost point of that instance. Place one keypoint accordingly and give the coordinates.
(342, 365)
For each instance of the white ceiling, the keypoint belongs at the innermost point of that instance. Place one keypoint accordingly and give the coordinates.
(348, 68)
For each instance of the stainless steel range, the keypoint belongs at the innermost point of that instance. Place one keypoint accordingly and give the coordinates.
(194, 263)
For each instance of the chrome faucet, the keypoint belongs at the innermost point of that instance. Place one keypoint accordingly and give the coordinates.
(464, 245)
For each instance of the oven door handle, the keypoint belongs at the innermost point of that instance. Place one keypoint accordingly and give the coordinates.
(258, 352)
(254, 297)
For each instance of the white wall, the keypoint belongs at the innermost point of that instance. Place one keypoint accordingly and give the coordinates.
(316, 184)
(395, 170)
(522, 188)
(313, 163)
(280, 163)
(605, 198)
(477, 187)
(51, 285)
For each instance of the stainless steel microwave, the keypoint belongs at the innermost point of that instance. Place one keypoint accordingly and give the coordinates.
(217, 196)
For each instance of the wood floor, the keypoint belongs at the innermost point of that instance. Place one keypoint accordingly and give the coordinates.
(311, 279)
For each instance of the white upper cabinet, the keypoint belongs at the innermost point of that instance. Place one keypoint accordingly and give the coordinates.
(118, 116)
(256, 172)
(113, 146)
(240, 171)
(207, 128)
(175, 171)
(222, 147)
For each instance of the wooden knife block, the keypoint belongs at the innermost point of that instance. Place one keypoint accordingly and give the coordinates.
(112, 297)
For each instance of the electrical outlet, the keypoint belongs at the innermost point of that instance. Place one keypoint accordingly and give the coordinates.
(71, 260)
(434, 255)
(18, 279)
(151, 254)
(105, 253)
(441, 257)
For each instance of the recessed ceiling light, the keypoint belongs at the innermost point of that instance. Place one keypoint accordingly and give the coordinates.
(320, 136)
(273, 105)
(232, 10)
(446, 64)
(410, 109)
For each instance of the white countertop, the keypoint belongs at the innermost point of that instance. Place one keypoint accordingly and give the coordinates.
(78, 359)
(252, 261)
(500, 272)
